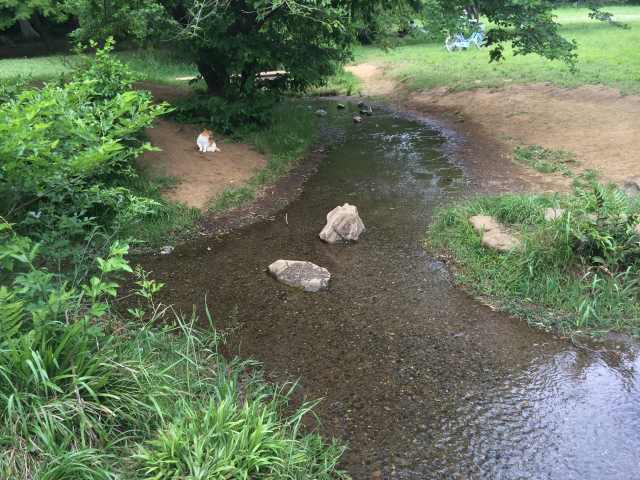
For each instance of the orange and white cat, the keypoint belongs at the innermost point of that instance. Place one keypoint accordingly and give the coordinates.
(206, 143)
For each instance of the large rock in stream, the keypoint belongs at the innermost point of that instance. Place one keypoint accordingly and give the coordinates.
(343, 225)
(306, 275)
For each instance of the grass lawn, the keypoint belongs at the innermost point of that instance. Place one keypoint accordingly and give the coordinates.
(151, 65)
(39, 68)
(607, 55)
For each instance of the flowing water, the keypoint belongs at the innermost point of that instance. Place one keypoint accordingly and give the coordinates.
(421, 380)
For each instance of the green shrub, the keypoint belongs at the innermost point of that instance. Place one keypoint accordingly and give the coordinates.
(66, 151)
(239, 432)
(603, 227)
(227, 116)
(63, 386)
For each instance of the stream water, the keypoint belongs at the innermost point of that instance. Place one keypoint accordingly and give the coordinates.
(420, 379)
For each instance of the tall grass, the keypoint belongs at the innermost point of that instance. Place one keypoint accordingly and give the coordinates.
(578, 272)
(606, 56)
(173, 222)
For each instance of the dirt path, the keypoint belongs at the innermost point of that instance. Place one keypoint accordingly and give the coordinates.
(596, 123)
(200, 176)
(374, 80)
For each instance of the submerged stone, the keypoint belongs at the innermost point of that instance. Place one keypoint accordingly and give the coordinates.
(306, 275)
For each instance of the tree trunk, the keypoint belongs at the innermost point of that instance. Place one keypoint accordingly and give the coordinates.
(474, 11)
(27, 31)
(40, 27)
(216, 78)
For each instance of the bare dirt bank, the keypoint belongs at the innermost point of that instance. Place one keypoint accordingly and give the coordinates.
(597, 123)
(200, 176)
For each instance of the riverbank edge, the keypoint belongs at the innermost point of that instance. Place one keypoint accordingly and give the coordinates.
(270, 199)
(472, 148)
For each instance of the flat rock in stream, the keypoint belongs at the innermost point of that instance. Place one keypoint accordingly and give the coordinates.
(306, 275)
(343, 225)
(493, 234)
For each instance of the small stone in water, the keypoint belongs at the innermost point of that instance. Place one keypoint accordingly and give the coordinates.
(166, 250)
(341, 106)
(306, 275)
(321, 112)
(357, 119)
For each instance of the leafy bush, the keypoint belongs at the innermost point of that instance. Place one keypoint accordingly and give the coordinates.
(582, 267)
(9, 89)
(123, 19)
(67, 150)
(230, 117)
(604, 229)
(104, 73)
(63, 386)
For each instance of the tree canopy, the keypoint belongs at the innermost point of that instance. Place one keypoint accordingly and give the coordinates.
(232, 41)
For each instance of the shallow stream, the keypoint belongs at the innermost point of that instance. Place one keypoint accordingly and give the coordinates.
(420, 379)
